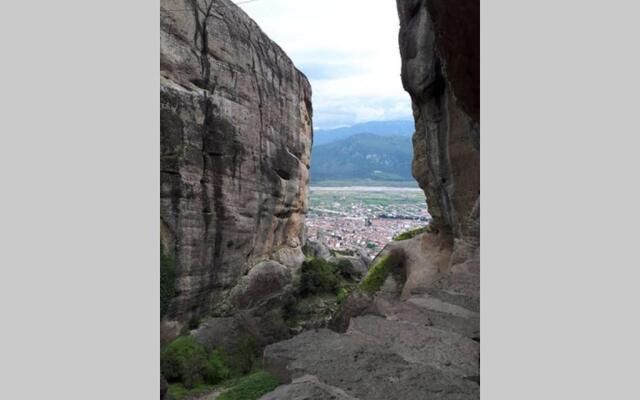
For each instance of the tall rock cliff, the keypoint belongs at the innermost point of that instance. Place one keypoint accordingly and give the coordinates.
(236, 137)
(440, 50)
(439, 46)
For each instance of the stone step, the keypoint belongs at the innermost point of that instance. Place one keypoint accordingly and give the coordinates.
(450, 352)
(363, 368)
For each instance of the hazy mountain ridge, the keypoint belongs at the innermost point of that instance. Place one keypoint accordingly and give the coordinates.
(363, 156)
(384, 128)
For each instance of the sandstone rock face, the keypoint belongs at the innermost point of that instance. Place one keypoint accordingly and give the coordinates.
(439, 47)
(440, 52)
(365, 368)
(236, 136)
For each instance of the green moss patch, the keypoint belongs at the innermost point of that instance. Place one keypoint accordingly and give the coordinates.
(251, 387)
(376, 276)
(411, 234)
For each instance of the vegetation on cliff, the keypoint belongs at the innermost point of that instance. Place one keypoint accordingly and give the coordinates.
(191, 370)
(411, 233)
(251, 387)
(186, 361)
(376, 276)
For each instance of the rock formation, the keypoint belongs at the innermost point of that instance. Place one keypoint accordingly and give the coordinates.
(440, 49)
(418, 335)
(236, 136)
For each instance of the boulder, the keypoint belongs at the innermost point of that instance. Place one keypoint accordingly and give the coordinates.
(317, 249)
(266, 279)
(357, 303)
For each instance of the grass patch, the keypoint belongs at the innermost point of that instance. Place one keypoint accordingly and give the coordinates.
(411, 234)
(251, 387)
(178, 391)
(167, 280)
(376, 276)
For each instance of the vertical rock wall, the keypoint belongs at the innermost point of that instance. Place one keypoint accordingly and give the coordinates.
(440, 50)
(236, 137)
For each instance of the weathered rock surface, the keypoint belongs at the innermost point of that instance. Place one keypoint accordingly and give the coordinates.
(236, 137)
(451, 352)
(317, 249)
(266, 279)
(440, 52)
(363, 368)
(382, 343)
(307, 387)
(439, 47)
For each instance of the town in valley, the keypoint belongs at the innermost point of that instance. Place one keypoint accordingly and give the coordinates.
(364, 218)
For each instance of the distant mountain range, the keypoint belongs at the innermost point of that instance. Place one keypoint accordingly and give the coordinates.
(384, 128)
(364, 158)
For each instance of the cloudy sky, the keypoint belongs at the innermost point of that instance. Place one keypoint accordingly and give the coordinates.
(349, 51)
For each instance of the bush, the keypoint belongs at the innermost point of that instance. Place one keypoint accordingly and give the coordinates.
(343, 293)
(347, 270)
(376, 276)
(411, 234)
(251, 387)
(318, 276)
(185, 360)
(243, 360)
(216, 370)
(167, 280)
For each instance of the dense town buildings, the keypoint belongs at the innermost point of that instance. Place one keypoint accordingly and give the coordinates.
(364, 218)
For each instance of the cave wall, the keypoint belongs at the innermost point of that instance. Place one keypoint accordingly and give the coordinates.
(236, 135)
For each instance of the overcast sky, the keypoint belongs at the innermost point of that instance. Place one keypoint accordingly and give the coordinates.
(349, 51)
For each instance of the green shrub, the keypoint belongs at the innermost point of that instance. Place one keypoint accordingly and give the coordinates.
(317, 276)
(185, 360)
(251, 387)
(167, 280)
(216, 369)
(376, 276)
(411, 234)
(347, 270)
(243, 359)
(343, 293)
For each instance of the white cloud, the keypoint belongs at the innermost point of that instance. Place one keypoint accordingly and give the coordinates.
(349, 51)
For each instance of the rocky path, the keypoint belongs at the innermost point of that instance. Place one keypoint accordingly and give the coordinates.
(415, 344)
